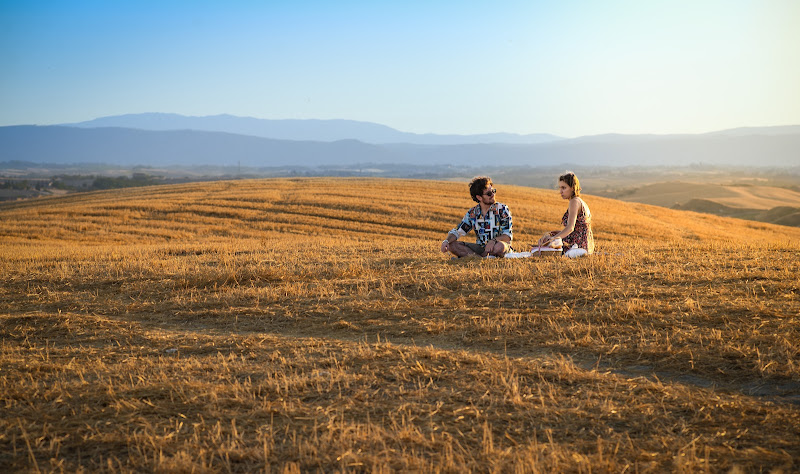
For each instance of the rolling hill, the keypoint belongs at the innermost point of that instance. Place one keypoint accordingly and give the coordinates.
(535, 210)
(296, 325)
(761, 203)
(669, 193)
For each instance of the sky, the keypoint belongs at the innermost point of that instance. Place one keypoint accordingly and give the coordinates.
(570, 68)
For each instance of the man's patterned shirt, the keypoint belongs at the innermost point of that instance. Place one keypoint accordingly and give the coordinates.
(496, 222)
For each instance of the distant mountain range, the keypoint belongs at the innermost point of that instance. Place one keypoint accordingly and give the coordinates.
(130, 147)
(302, 130)
(167, 139)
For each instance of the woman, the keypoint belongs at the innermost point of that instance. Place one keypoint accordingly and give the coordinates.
(576, 237)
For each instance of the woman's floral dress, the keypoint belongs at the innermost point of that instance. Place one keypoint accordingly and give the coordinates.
(582, 235)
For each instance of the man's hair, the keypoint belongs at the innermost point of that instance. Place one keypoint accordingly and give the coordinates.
(572, 181)
(478, 185)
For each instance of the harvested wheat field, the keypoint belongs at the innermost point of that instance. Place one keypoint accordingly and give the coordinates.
(304, 325)
(670, 193)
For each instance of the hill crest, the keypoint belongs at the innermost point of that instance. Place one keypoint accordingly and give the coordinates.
(360, 208)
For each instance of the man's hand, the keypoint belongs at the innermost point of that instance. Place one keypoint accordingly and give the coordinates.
(494, 247)
(445, 246)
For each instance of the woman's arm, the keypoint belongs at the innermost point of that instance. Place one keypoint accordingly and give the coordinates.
(547, 237)
(572, 217)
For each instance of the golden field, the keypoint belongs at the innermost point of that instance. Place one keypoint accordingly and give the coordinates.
(771, 204)
(304, 325)
(740, 196)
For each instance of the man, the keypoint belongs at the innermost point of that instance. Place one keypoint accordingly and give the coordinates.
(490, 220)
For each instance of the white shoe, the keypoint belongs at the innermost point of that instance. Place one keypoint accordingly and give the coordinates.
(575, 252)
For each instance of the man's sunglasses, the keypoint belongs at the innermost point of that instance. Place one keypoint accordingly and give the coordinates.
(490, 192)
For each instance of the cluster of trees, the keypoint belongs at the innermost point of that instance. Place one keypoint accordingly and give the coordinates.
(138, 179)
(80, 182)
(92, 182)
(24, 184)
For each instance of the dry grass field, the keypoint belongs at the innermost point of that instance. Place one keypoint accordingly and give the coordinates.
(304, 325)
(771, 204)
(668, 194)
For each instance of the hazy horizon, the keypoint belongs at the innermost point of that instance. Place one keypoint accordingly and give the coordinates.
(569, 70)
(210, 116)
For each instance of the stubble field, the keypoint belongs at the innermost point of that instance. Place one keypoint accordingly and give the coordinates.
(313, 325)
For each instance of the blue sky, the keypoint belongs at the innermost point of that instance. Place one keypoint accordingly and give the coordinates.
(569, 68)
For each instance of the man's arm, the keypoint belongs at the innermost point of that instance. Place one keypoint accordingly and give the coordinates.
(448, 240)
(506, 227)
(460, 231)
